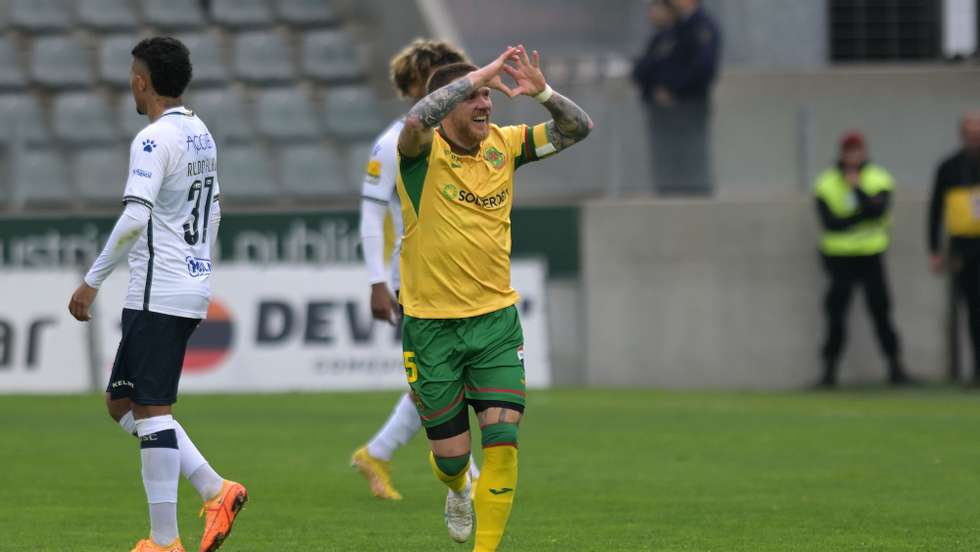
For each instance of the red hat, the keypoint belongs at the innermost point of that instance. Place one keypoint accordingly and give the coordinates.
(852, 139)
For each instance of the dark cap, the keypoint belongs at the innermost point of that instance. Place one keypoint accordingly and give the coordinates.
(852, 139)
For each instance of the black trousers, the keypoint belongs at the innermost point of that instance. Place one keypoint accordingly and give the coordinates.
(967, 275)
(680, 140)
(847, 273)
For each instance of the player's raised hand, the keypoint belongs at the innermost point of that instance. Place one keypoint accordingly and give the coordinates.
(526, 72)
(81, 301)
(489, 74)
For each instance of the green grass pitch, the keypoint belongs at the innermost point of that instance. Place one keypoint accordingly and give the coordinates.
(600, 470)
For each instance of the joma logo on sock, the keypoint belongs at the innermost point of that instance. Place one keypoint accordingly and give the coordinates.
(501, 491)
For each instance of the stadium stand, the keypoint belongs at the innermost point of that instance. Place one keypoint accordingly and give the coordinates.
(61, 62)
(107, 15)
(285, 114)
(241, 13)
(307, 13)
(299, 163)
(245, 174)
(41, 177)
(263, 57)
(274, 79)
(82, 118)
(39, 15)
(100, 173)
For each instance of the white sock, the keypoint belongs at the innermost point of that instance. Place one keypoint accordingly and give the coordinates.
(161, 473)
(195, 467)
(128, 423)
(401, 425)
(466, 490)
(474, 471)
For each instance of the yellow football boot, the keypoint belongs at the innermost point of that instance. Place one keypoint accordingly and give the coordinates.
(220, 513)
(377, 472)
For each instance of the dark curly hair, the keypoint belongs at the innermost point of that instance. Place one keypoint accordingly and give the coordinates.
(169, 63)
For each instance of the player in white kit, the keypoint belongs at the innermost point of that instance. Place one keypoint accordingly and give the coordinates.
(167, 230)
(410, 70)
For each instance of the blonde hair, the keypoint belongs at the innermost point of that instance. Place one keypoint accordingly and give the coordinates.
(416, 62)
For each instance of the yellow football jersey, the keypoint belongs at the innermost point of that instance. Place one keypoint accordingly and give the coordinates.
(455, 258)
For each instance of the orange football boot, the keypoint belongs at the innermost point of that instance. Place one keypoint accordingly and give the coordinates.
(147, 545)
(220, 513)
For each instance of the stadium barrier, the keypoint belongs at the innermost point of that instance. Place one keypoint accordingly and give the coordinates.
(274, 328)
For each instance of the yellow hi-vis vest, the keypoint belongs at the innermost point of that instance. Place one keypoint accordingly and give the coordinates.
(868, 237)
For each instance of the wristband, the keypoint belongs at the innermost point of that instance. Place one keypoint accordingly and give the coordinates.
(545, 94)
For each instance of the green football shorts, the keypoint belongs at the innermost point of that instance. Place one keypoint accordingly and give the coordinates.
(478, 358)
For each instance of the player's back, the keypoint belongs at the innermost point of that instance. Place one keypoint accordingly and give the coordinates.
(173, 170)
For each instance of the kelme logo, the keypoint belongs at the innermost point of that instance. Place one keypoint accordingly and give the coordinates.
(495, 157)
(449, 191)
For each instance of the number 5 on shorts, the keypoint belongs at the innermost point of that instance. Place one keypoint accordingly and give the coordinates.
(411, 370)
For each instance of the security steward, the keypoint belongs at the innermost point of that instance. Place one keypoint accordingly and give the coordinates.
(956, 201)
(853, 201)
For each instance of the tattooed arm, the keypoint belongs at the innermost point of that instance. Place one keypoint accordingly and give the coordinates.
(570, 123)
(416, 136)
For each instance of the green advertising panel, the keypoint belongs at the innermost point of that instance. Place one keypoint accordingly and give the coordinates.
(315, 237)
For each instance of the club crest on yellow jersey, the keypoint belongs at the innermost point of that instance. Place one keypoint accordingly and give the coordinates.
(495, 157)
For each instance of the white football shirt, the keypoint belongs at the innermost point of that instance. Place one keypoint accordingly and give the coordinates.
(173, 170)
(379, 186)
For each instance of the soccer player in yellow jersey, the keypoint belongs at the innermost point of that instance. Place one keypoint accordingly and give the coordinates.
(462, 338)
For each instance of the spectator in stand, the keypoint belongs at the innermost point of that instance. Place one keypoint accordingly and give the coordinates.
(675, 76)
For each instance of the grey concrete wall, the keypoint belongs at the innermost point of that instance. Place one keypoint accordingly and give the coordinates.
(772, 33)
(714, 294)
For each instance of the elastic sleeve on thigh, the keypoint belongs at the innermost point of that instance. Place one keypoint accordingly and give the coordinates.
(499, 435)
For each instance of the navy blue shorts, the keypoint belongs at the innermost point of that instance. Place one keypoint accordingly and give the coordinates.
(150, 357)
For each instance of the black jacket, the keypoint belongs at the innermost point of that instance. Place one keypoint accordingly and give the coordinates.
(684, 59)
(956, 171)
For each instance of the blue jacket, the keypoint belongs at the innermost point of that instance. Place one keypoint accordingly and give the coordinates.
(683, 58)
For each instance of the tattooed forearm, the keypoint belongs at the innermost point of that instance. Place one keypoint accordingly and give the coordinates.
(570, 123)
(434, 107)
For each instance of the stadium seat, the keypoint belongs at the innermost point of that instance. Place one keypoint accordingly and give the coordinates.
(241, 13)
(41, 177)
(173, 14)
(223, 111)
(313, 171)
(130, 122)
(263, 56)
(61, 61)
(206, 55)
(331, 56)
(352, 112)
(82, 118)
(22, 120)
(40, 15)
(107, 15)
(358, 156)
(11, 76)
(307, 13)
(285, 114)
(244, 173)
(100, 173)
(115, 59)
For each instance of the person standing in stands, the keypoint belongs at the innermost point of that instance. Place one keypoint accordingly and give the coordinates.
(956, 201)
(853, 201)
(675, 75)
